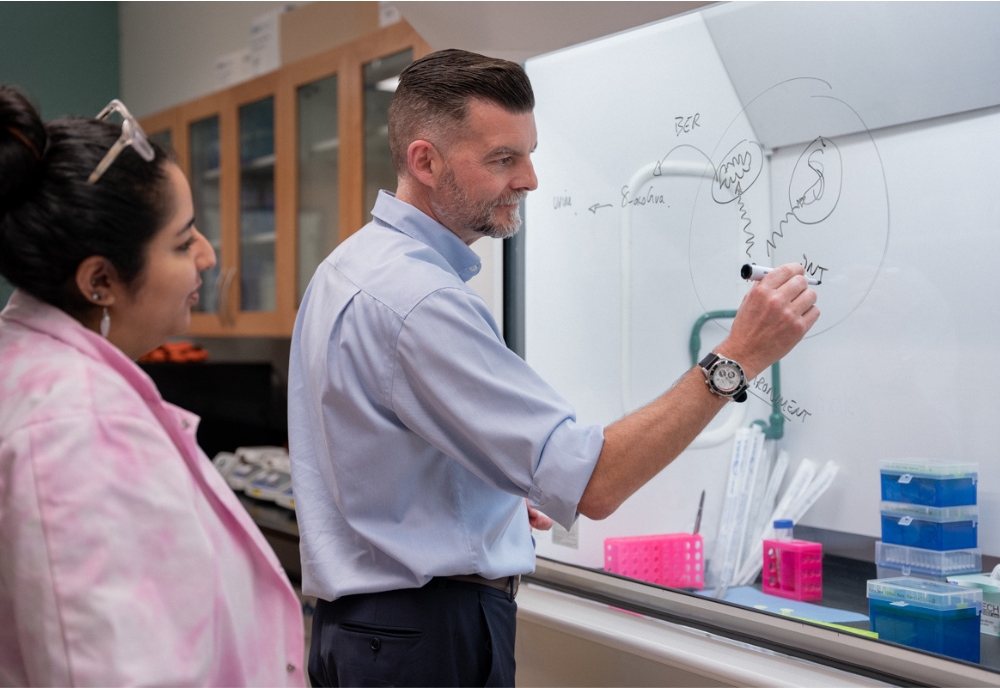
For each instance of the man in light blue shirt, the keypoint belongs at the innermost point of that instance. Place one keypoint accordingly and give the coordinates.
(416, 436)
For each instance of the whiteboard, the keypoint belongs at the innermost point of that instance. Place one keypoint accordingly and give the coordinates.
(627, 244)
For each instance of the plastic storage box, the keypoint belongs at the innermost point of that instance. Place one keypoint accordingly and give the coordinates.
(674, 560)
(927, 615)
(929, 483)
(268, 485)
(928, 527)
(793, 569)
(899, 560)
(989, 622)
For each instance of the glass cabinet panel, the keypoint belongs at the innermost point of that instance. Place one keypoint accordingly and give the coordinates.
(257, 282)
(318, 200)
(163, 138)
(205, 194)
(381, 77)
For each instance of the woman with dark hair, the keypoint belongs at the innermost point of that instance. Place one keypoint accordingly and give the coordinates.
(124, 556)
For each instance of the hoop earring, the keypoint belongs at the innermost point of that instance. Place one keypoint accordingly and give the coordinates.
(105, 324)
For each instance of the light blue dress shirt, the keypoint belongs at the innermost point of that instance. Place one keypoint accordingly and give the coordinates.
(415, 433)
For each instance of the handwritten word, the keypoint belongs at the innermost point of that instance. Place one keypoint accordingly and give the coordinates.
(813, 269)
(597, 206)
(561, 202)
(649, 198)
(685, 125)
(789, 407)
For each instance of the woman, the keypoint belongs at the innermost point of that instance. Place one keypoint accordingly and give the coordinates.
(124, 557)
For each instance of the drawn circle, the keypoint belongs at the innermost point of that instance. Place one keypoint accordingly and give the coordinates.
(836, 221)
(816, 182)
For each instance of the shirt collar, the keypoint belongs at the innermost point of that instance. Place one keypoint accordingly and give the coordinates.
(412, 222)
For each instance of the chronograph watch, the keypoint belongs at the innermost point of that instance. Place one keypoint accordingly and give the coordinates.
(724, 377)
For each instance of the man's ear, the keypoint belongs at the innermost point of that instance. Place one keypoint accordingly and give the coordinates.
(97, 280)
(424, 162)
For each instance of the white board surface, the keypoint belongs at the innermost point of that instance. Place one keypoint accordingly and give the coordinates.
(901, 222)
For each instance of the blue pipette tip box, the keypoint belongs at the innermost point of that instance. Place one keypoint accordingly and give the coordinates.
(931, 483)
(928, 527)
(927, 615)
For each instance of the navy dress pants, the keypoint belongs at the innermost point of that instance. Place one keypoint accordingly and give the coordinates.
(447, 633)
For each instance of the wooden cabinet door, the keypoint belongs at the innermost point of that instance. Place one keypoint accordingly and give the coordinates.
(283, 168)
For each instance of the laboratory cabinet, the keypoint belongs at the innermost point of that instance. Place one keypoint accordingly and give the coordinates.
(282, 168)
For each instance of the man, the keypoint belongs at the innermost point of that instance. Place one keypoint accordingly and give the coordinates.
(416, 435)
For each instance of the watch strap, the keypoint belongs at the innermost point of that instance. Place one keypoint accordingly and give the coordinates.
(707, 362)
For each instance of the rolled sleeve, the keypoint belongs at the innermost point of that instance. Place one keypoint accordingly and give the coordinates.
(564, 469)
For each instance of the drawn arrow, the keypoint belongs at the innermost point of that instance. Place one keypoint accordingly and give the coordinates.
(597, 206)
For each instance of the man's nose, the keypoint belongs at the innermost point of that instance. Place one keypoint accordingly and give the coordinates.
(528, 181)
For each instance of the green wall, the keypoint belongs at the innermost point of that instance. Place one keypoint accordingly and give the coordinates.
(63, 55)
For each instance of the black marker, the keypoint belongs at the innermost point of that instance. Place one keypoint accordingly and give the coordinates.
(756, 273)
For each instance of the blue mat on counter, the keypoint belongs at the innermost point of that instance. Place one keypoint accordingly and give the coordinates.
(752, 598)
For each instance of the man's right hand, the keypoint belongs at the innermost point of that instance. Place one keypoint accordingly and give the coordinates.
(774, 316)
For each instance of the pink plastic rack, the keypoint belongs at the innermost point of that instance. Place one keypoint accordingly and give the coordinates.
(674, 560)
(793, 569)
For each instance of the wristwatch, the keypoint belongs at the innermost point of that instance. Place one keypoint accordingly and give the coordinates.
(724, 377)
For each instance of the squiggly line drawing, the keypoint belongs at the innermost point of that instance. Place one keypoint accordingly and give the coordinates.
(780, 232)
(814, 188)
(815, 192)
(737, 173)
(746, 228)
(815, 185)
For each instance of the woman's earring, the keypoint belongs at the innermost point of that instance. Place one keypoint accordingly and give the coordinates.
(95, 296)
(105, 324)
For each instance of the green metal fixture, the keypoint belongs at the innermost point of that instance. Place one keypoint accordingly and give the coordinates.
(774, 430)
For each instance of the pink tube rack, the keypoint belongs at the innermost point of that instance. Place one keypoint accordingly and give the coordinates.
(793, 569)
(674, 560)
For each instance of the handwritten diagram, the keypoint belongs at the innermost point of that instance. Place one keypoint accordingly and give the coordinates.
(821, 201)
(833, 219)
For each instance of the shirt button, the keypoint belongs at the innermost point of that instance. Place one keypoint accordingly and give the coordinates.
(376, 644)
(290, 668)
(185, 424)
(474, 268)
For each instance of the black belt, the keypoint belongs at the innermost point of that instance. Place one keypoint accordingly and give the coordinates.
(509, 585)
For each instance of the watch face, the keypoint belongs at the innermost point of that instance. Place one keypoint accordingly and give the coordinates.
(726, 378)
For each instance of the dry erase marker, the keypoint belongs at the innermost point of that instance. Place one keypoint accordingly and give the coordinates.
(756, 273)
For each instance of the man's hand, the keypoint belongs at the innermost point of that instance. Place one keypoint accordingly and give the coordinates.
(537, 519)
(774, 316)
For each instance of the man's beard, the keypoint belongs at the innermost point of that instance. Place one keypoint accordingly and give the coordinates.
(458, 210)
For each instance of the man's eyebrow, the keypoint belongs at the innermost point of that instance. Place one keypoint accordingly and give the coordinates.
(503, 150)
(186, 227)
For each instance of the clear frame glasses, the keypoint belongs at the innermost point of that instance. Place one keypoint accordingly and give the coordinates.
(132, 135)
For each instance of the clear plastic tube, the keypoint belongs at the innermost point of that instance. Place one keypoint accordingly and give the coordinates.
(783, 529)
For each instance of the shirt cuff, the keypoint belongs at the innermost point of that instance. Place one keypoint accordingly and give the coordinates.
(564, 469)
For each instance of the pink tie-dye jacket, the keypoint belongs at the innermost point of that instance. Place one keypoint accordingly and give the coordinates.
(125, 559)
